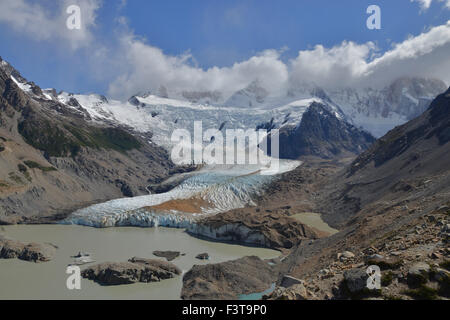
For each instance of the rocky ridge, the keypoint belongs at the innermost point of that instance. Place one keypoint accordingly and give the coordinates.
(53, 160)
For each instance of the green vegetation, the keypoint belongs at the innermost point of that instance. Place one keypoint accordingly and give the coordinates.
(48, 169)
(3, 184)
(106, 138)
(34, 165)
(14, 177)
(445, 265)
(27, 176)
(386, 264)
(62, 141)
(23, 169)
(31, 164)
(47, 137)
(422, 293)
(444, 287)
(387, 278)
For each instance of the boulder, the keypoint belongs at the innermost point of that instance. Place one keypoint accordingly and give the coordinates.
(418, 274)
(202, 256)
(373, 256)
(289, 281)
(346, 255)
(441, 275)
(383, 262)
(355, 280)
(169, 255)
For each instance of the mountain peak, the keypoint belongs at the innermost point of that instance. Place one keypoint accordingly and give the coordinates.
(404, 146)
(322, 133)
(252, 95)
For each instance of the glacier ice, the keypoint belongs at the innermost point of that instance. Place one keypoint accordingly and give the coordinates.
(224, 187)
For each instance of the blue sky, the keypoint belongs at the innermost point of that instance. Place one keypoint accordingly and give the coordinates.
(222, 32)
(215, 33)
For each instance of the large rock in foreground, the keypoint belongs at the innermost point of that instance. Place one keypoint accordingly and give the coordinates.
(227, 280)
(356, 280)
(35, 252)
(135, 270)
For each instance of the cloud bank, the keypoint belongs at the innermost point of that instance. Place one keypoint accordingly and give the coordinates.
(425, 4)
(48, 22)
(131, 65)
(145, 67)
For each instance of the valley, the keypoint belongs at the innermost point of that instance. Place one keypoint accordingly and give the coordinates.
(84, 172)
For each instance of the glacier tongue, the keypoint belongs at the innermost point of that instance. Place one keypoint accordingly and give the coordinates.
(222, 188)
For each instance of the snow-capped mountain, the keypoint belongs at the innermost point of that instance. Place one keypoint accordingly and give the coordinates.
(378, 111)
(165, 110)
(253, 95)
(374, 110)
(321, 133)
(162, 116)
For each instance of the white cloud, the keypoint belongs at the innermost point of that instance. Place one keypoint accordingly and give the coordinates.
(328, 67)
(425, 4)
(425, 55)
(147, 68)
(350, 64)
(132, 65)
(143, 67)
(41, 22)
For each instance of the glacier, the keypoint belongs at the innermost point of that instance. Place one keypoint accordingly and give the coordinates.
(222, 187)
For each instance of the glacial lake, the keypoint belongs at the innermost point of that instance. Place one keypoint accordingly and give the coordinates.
(27, 280)
(314, 220)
